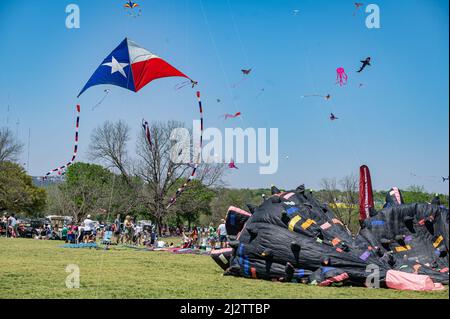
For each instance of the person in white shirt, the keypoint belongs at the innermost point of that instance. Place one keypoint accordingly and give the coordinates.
(12, 222)
(88, 227)
(222, 232)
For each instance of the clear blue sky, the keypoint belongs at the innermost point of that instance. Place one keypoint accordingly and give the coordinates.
(397, 123)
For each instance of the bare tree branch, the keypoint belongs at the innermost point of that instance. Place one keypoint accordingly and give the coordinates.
(109, 143)
(10, 147)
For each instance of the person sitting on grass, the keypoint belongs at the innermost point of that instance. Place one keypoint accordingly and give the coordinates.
(38, 233)
(48, 232)
(187, 241)
(194, 236)
(70, 234)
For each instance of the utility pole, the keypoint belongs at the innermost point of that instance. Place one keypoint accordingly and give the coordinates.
(28, 159)
(17, 128)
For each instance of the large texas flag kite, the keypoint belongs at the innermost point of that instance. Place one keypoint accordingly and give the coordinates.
(132, 67)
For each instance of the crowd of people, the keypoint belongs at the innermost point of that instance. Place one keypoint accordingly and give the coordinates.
(10, 225)
(127, 232)
(206, 237)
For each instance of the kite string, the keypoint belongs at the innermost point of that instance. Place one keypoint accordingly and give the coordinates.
(241, 43)
(107, 218)
(101, 100)
(218, 56)
(337, 136)
(183, 188)
(183, 84)
(75, 150)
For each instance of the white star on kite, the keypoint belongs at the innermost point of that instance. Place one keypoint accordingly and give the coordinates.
(116, 66)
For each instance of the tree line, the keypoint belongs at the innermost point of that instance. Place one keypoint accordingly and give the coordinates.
(141, 184)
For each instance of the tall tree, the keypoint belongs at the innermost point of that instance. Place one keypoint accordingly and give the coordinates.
(195, 202)
(153, 165)
(17, 192)
(157, 169)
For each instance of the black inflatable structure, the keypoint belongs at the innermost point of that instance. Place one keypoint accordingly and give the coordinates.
(292, 237)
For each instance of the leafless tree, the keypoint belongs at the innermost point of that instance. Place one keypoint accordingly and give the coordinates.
(344, 200)
(330, 191)
(10, 147)
(154, 166)
(211, 174)
(350, 196)
(109, 145)
(161, 175)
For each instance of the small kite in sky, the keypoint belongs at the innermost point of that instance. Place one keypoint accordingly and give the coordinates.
(130, 6)
(218, 100)
(357, 6)
(333, 117)
(296, 12)
(232, 116)
(260, 92)
(245, 72)
(326, 97)
(232, 165)
(365, 63)
(341, 76)
(431, 178)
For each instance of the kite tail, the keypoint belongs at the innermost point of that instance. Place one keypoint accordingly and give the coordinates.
(365, 193)
(196, 163)
(75, 149)
(148, 137)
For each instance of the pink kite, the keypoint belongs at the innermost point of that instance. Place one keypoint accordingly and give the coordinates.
(341, 76)
(232, 165)
(227, 116)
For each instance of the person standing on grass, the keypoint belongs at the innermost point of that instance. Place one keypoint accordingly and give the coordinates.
(12, 223)
(117, 229)
(88, 228)
(212, 236)
(222, 231)
(4, 222)
(128, 225)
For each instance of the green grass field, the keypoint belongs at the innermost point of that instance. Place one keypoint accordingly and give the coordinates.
(36, 269)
